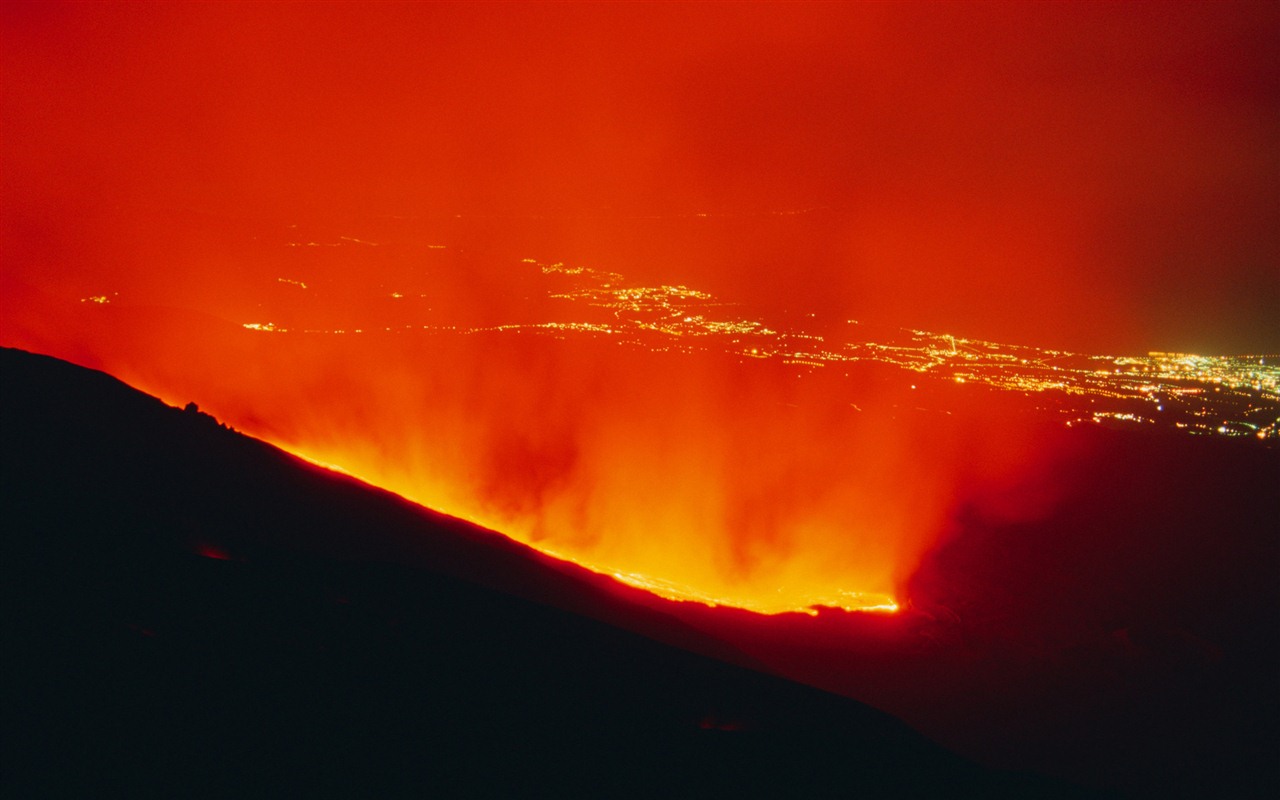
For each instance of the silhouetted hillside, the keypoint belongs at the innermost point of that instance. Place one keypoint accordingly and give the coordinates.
(192, 612)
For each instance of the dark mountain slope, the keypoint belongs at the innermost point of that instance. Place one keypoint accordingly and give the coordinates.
(191, 612)
(1124, 634)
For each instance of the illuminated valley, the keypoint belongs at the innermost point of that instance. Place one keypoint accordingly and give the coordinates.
(1234, 396)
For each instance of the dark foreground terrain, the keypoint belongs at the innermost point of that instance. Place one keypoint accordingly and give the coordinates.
(1112, 619)
(191, 612)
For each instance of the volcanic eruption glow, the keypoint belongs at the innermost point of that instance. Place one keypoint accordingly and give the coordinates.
(627, 283)
(618, 426)
(654, 433)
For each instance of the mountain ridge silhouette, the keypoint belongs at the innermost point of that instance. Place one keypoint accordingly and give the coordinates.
(193, 611)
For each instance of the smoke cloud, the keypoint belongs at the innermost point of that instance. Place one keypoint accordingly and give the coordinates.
(1092, 177)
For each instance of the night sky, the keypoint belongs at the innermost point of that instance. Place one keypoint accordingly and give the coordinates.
(1092, 176)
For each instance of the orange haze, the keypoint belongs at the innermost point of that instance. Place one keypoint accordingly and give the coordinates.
(1067, 175)
(663, 459)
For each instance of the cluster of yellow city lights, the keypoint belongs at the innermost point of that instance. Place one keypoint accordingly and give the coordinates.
(1218, 395)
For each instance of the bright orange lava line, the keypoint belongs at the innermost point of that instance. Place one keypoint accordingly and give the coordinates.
(865, 602)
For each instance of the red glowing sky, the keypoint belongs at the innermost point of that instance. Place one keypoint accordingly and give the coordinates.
(1097, 176)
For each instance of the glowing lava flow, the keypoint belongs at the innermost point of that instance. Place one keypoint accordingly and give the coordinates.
(785, 602)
